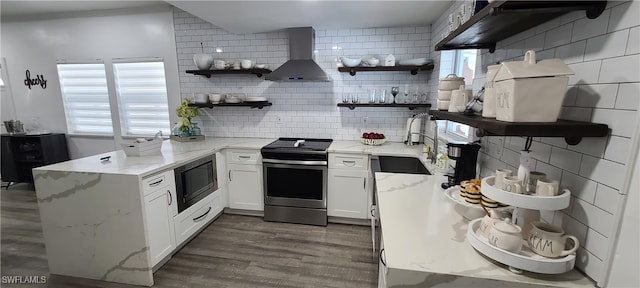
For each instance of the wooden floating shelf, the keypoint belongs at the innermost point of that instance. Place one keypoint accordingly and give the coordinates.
(413, 69)
(572, 131)
(502, 19)
(352, 106)
(259, 105)
(207, 73)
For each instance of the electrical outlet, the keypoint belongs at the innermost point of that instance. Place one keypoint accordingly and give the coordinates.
(278, 120)
(365, 120)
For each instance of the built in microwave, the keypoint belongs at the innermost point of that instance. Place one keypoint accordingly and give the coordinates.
(195, 180)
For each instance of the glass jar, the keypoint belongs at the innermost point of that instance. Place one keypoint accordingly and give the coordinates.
(195, 130)
(175, 130)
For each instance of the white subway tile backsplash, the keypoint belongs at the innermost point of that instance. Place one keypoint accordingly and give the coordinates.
(621, 122)
(571, 53)
(607, 198)
(620, 69)
(618, 149)
(597, 244)
(633, 45)
(624, 16)
(597, 95)
(592, 216)
(551, 171)
(586, 28)
(603, 171)
(628, 96)
(576, 113)
(573, 227)
(558, 36)
(580, 187)
(607, 46)
(593, 146)
(565, 159)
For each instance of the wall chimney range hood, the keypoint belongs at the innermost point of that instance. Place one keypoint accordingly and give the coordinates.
(301, 65)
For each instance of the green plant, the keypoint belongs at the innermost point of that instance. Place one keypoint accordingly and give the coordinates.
(185, 111)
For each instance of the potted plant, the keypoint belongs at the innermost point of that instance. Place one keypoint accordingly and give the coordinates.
(185, 113)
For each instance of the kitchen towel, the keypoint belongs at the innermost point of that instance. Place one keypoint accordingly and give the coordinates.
(415, 128)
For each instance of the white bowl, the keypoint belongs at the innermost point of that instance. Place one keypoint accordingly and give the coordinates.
(373, 61)
(350, 62)
(203, 61)
(215, 98)
(261, 66)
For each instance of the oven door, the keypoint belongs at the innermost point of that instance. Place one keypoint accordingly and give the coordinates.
(295, 183)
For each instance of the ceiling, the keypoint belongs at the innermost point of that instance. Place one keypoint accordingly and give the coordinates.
(259, 16)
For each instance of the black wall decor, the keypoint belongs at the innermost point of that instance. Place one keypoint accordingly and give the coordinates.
(39, 80)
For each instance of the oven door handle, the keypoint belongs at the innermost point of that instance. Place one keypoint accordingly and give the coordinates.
(294, 162)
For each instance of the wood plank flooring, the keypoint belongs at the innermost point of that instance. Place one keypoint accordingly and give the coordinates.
(234, 251)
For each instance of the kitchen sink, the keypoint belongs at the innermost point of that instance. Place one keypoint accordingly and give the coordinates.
(408, 165)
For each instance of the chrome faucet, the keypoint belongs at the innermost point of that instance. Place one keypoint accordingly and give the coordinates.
(421, 115)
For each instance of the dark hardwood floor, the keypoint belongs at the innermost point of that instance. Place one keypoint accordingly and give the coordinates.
(234, 251)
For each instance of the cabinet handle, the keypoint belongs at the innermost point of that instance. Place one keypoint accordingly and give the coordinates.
(364, 183)
(372, 210)
(156, 183)
(205, 215)
(244, 157)
(349, 163)
(229, 175)
(382, 259)
(170, 197)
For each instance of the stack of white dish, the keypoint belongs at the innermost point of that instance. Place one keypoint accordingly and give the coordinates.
(445, 88)
(255, 99)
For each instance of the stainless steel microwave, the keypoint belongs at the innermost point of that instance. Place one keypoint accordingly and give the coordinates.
(195, 180)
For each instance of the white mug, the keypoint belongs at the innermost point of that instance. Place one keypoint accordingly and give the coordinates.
(532, 181)
(500, 174)
(547, 187)
(512, 184)
(549, 240)
(219, 64)
(246, 64)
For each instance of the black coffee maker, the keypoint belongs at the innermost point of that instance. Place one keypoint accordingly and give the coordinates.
(466, 156)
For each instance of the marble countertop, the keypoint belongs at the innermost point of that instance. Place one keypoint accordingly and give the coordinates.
(386, 149)
(173, 155)
(423, 233)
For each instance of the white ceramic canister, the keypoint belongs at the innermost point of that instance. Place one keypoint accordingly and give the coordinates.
(506, 236)
(451, 82)
(489, 101)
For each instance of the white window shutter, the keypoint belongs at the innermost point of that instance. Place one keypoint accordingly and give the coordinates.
(86, 98)
(142, 98)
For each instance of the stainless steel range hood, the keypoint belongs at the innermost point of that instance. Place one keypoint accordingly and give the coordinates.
(301, 66)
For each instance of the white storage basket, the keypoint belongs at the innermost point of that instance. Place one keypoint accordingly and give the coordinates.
(151, 147)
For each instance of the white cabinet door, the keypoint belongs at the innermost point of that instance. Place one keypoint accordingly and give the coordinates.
(245, 187)
(348, 194)
(160, 230)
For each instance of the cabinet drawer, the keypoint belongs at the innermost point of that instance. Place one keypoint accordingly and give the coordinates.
(155, 182)
(191, 220)
(349, 161)
(244, 156)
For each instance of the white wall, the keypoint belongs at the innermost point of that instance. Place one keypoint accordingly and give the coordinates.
(36, 44)
(604, 53)
(300, 109)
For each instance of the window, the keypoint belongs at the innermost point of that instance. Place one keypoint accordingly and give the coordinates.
(142, 98)
(461, 63)
(86, 98)
(141, 91)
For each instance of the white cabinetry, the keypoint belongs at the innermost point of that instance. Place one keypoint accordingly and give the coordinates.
(160, 207)
(244, 180)
(348, 188)
(197, 216)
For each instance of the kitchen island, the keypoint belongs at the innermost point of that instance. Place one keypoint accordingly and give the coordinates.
(425, 243)
(93, 212)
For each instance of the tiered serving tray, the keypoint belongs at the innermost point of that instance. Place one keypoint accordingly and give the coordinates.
(526, 259)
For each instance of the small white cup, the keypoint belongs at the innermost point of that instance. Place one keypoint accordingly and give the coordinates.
(219, 64)
(512, 184)
(246, 64)
(547, 187)
(500, 174)
(532, 181)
